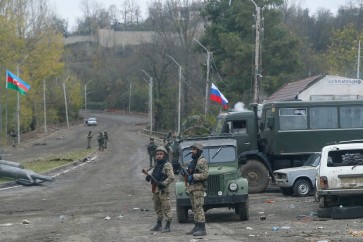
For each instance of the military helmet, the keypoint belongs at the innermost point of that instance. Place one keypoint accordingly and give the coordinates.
(161, 148)
(197, 145)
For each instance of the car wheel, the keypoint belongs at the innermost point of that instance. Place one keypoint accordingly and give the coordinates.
(257, 175)
(324, 212)
(302, 188)
(242, 210)
(287, 191)
(182, 214)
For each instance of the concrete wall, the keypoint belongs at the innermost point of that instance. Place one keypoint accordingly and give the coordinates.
(110, 38)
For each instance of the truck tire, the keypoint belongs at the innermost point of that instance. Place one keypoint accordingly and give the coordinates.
(182, 214)
(302, 188)
(242, 210)
(257, 175)
(347, 212)
(324, 212)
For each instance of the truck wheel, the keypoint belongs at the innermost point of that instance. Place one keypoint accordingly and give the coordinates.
(182, 214)
(324, 212)
(256, 174)
(302, 188)
(287, 191)
(242, 210)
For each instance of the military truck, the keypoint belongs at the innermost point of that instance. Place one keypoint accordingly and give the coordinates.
(225, 186)
(286, 133)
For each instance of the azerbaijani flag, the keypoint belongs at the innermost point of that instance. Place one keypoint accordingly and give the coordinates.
(217, 96)
(14, 82)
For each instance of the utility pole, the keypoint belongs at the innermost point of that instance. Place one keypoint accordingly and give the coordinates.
(256, 88)
(358, 61)
(65, 100)
(150, 101)
(179, 91)
(85, 95)
(130, 96)
(206, 106)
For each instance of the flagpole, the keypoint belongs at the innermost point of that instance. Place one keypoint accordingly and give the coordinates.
(18, 106)
(18, 109)
(6, 110)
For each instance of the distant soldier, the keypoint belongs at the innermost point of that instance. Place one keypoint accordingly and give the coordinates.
(13, 136)
(164, 176)
(101, 142)
(105, 136)
(151, 151)
(89, 139)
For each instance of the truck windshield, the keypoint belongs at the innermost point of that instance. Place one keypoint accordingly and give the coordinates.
(213, 154)
(218, 128)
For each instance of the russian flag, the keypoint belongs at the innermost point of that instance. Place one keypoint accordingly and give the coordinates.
(14, 82)
(217, 96)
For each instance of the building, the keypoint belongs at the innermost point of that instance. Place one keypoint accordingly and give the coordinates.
(321, 87)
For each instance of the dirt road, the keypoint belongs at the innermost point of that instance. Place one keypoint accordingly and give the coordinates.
(107, 199)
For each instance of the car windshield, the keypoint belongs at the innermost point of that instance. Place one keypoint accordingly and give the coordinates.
(218, 154)
(91, 119)
(313, 160)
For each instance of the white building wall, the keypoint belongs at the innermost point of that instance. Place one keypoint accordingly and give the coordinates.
(334, 87)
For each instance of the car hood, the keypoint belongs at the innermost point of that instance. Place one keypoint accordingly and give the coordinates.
(215, 170)
(296, 169)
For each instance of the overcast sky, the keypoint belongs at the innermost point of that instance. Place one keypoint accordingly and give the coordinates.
(70, 9)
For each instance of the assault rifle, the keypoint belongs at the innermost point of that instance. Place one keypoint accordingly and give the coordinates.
(154, 183)
(184, 172)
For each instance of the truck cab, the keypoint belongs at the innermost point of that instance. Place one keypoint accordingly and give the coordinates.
(225, 186)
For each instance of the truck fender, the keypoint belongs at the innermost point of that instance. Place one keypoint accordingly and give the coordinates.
(244, 156)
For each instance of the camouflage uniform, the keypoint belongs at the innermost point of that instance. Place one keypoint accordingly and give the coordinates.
(197, 188)
(89, 139)
(197, 178)
(101, 142)
(164, 175)
(151, 151)
(161, 197)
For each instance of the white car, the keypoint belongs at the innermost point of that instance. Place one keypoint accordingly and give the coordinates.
(340, 180)
(298, 181)
(92, 121)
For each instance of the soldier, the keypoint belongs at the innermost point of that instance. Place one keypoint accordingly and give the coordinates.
(105, 136)
(163, 174)
(151, 151)
(101, 142)
(198, 174)
(13, 136)
(89, 139)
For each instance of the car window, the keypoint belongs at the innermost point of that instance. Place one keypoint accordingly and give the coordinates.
(313, 160)
(345, 158)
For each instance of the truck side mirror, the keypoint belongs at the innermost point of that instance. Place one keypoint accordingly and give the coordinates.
(270, 122)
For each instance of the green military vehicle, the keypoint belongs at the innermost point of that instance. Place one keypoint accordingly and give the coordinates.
(286, 133)
(225, 186)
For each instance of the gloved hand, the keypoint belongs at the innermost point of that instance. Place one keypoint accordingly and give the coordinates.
(160, 185)
(148, 178)
(190, 178)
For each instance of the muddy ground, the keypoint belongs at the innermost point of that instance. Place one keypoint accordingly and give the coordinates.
(107, 199)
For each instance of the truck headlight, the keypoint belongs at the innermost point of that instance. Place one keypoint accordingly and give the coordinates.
(233, 186)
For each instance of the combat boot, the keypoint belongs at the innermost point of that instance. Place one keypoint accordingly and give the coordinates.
(200, 230)
(157, 227)
(193, 230)
(167, 227)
